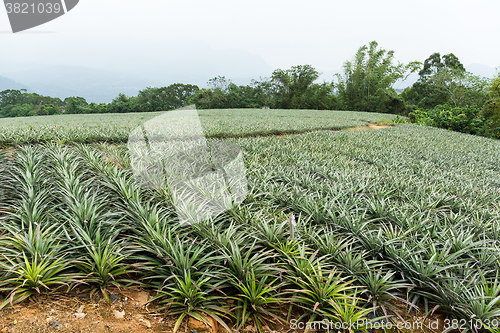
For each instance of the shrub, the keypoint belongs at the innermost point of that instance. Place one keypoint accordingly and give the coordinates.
(492, 110)
(466, 120)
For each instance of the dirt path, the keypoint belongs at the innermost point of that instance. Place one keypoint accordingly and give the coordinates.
(369, 127)
(128, 313)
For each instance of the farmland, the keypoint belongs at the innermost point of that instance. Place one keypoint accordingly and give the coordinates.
(388, 221)
(116, 128)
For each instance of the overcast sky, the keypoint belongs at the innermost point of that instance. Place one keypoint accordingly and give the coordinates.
(117, 33)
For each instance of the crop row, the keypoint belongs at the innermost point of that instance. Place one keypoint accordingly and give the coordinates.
(380, 216)
(115, 128)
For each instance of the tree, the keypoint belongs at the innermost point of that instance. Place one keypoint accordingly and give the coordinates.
(17, 110)
(264, 92)
(13, 97)
(433, 64)
(122, 104)
(445, 80)
(219, 88)
(74, 105)
(292, 86)
(367, 81)
(220, 94)
(319, 96)
(460, 87)
(242, 97)
(172, 97)
(492, 110)
(45, 110)
(97, 108)
(288, 89)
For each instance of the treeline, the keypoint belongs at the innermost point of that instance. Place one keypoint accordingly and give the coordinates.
(20, 103)
(290, 89)
(445, 95)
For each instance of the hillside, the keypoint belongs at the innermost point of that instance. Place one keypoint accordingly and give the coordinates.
(90, 128)
(6, 83)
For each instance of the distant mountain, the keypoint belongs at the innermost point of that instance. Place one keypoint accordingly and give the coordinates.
(94, 85)
(151, 64)
(193, 63)
(159, 65)
(6, 83)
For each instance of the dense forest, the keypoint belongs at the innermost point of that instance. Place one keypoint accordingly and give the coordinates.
(445, 95)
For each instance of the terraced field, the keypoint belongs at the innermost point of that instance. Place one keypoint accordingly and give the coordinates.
(339, 225)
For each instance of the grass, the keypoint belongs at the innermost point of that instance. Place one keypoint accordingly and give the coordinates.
(386, 221)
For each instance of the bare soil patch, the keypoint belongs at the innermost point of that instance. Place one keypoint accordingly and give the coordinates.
(375, 126)
(130, 313)
(369, 127)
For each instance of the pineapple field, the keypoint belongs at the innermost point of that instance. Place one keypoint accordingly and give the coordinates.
(345, 228)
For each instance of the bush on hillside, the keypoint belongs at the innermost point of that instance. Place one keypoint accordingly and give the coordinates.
(466, 120)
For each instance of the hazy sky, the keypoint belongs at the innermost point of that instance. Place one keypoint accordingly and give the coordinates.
(119, 33)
